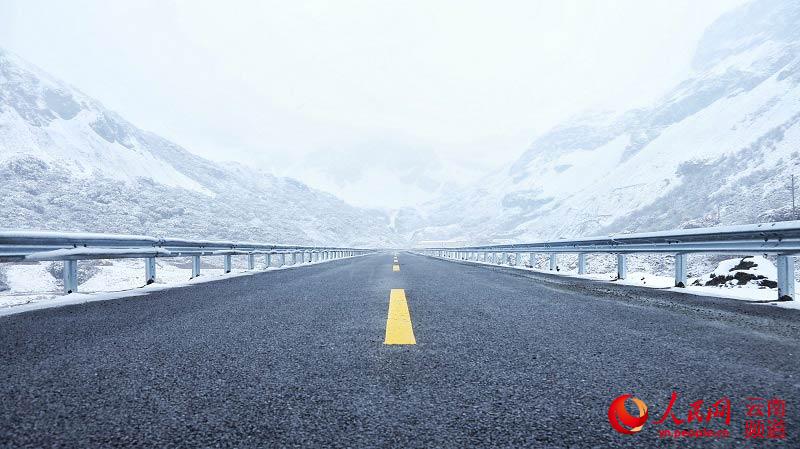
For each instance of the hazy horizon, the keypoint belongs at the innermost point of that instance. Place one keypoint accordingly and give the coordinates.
(382, 105)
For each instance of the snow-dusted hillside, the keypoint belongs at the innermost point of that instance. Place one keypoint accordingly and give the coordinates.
(717, 149)
(67, 163)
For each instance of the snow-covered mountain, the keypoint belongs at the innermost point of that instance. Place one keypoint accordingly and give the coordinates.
(68, 163)
(718, 149)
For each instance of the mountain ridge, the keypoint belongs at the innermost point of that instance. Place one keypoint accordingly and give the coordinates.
(699, 153)
(68, 163)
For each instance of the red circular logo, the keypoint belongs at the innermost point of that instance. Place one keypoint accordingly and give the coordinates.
(624, 422)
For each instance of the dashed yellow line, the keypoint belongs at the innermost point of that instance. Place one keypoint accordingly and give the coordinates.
(396, 267)
(398, 324)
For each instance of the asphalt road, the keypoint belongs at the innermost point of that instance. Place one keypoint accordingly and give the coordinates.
(296, 358)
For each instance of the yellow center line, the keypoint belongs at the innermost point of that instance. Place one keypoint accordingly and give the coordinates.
(398, 323)
(396, 267)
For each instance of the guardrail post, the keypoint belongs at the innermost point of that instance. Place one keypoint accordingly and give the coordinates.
(283, 260)
(680, 270)
(502, 259)
(581, 263)
(227, 263)
(484, 256)
(785, 277)
(267, 260)
(622, 266)
(70, 276)
(553, 261)
(532, 260)
(149, 270)
(251, 262)
(518, 259)
(195, 266)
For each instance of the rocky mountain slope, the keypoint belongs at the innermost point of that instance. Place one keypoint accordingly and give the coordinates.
(68, 163)
(717, 149)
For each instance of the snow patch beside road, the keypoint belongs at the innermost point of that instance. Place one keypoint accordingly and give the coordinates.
(749, 291)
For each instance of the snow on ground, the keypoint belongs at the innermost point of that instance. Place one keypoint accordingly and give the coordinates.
(750, 272)
(33, 285)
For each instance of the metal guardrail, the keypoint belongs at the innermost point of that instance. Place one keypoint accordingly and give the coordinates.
(71, 247)
(780, 239)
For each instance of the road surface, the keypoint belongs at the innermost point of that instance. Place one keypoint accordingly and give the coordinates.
(297, 358)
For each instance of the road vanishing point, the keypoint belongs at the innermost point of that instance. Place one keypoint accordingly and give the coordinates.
(386, 351)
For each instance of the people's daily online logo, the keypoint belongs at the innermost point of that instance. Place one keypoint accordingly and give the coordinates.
(764, 418)
(624, 422)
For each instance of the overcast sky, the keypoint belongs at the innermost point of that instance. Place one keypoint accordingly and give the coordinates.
(379, 102)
